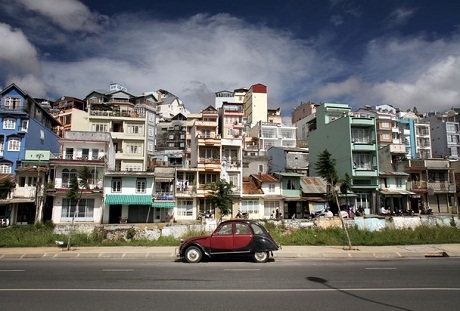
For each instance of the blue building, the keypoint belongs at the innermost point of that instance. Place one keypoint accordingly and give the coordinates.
(26, 125)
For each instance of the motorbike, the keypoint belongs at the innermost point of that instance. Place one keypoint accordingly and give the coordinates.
(242, 215)
(427, 211)
(204, 215)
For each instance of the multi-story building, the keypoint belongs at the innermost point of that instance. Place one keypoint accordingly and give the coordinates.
(433, 182)
(351, 140)
(284, 159)
(256, 104)
(237, 96)
(168, 105)
(302, 111)
(130, 120)
(26, 125)
(264, 135)
(71, 113)
(82, 153)
(445, 135)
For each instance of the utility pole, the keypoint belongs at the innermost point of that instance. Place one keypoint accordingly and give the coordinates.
(38, 206)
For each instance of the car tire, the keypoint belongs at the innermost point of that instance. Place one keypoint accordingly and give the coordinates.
(193, 254)
(260, 257)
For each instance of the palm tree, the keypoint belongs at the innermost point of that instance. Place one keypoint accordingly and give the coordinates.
(325, 166)
(77, 185)
(220, 194)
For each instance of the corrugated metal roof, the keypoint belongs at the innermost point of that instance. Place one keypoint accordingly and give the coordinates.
(313, 185)
(265, 178)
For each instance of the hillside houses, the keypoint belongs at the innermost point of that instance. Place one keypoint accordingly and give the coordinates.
(150, 160)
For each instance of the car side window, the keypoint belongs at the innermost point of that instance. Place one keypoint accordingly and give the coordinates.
(257, 229)
(225, 229)
(242, 229)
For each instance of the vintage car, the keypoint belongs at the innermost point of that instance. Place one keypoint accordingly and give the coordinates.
(231, 237)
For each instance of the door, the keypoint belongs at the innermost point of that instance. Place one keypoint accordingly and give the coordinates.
(222, 239)
(114, 214)
(242, 237)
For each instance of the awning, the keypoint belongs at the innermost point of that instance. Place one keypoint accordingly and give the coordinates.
(395, 192)
(128, 199)
(163, 204)
(163, 179)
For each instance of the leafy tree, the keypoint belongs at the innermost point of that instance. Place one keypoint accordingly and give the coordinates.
(7, 185)
(220, 194)
(77, 185)
(326, 168)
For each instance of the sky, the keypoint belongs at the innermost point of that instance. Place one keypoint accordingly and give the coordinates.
(404, 53)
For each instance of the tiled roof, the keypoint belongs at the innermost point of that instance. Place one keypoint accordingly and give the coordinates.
(250, 187)
(265, 178)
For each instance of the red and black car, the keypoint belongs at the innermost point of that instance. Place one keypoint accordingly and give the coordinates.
(231, 237)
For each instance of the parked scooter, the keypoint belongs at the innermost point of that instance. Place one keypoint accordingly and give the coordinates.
(427, 211)
(242, 215)
(204, 215)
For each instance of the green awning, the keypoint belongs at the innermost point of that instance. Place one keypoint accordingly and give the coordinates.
(128, 199)
(163, 204)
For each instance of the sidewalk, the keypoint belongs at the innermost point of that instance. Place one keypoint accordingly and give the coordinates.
(287, 252)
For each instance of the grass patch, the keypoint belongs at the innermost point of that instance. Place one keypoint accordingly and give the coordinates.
(42, 235)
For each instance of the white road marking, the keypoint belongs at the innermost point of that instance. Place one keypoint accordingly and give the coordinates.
(421, 289)
(381, 268)
(12, 270)
(241, 269)
(117, 270)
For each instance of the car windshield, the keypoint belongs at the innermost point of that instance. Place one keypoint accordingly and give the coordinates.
(257, 229)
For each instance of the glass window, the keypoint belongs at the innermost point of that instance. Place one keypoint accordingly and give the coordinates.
(225, 229)
(141, 185)
(9, 123)
(14, 144)
(85, 208)
(242, 229)
(116, 185)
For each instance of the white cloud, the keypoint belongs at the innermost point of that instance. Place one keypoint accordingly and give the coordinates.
(17, 53)
(71, 15)
(29, 83)
(192, 59)
(400, 16)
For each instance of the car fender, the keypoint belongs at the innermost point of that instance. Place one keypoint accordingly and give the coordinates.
(201, 247)
(262, 244)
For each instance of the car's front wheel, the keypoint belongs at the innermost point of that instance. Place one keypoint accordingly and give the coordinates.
(193, 254)
(260, 257)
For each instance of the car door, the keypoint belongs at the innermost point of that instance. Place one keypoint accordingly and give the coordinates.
(222, 239)
(242, 237)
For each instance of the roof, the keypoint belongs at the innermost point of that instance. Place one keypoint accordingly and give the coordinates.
(250, 187)
(313, 185)
(393, 174)
(265, 177)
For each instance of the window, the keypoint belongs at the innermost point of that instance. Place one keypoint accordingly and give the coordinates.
(184, 207)
(150, 147)
(398, 182)
(99, 127)
(9, 123)
(67, 176)
(290, 185)
(134, 148)
(150, 131)
(205, 133)
(12, 102)
(270, 207)
(241, 229)
(141, 185)
(85, 208)
(261, 168)
(208, 178)
(14, 144)
(5, 168)
(271, 188)
(116, 185)
(69, 153)
(134, 129)
(225, 229)
(95, 154)
(250, 206)
(361, 161)
(24, 125)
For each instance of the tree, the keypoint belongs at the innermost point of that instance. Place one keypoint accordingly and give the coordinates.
(77, 185)
(326, 168)
(220, 194)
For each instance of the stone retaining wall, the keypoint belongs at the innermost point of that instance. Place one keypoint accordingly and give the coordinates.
(177, 230)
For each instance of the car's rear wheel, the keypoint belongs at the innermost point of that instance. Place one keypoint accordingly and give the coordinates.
(260, 257)
(193, 254)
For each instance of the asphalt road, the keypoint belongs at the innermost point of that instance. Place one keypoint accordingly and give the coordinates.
(420, 284)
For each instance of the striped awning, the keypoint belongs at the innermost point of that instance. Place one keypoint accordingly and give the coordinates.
(163, 204)
(128, 199)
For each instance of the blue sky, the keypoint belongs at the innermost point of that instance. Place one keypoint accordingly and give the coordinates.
(402, 53)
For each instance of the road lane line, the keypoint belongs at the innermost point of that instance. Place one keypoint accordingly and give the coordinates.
(421, 289)
(381, 268)
(117, 270)
(241, 269)
(12, 270)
